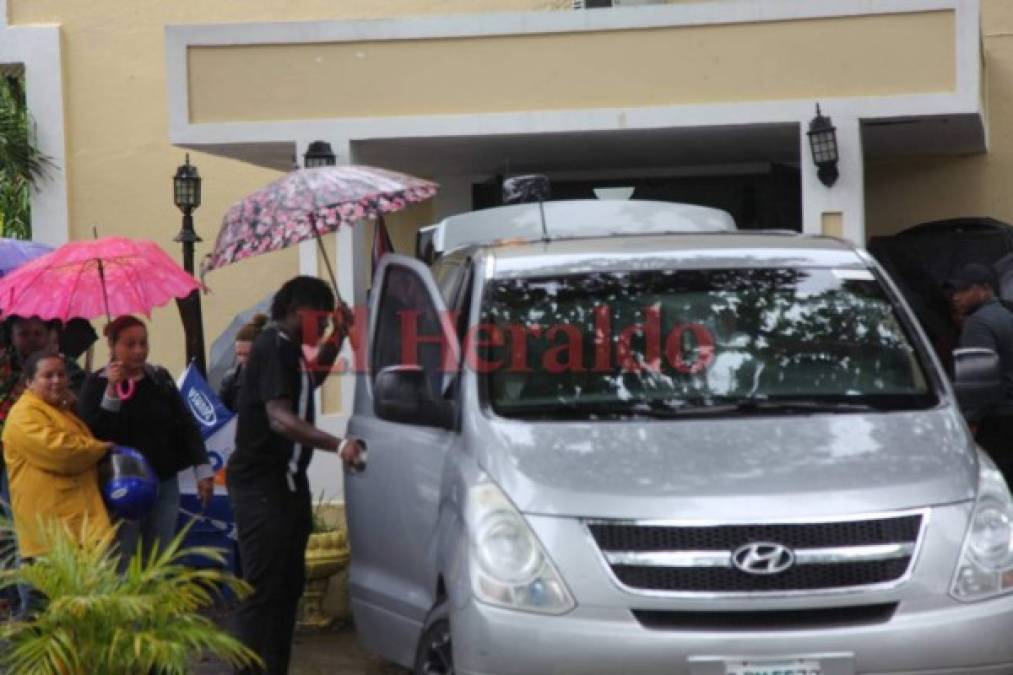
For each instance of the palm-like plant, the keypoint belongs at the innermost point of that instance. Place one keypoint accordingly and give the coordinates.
(98, 620)
(21, 164)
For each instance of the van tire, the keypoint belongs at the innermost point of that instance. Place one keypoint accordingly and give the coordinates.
(435, 654)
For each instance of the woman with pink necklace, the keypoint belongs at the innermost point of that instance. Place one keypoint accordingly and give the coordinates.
(135, 403)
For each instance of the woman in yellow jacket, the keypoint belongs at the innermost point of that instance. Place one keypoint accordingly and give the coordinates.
(52, 460)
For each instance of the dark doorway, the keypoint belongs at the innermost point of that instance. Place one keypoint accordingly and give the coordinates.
(771, 200)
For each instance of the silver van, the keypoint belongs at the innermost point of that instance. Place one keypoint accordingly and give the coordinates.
(632, 439)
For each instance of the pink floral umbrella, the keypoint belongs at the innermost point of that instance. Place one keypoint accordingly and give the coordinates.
(88, 279)
(308, 203)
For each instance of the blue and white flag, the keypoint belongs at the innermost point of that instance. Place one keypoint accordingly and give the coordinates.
(209, 411)
(213, 525)
(217, 425)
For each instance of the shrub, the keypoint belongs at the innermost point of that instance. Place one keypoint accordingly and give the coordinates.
(98, 620)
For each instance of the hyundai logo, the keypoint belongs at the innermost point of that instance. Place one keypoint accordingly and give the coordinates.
(763, 557)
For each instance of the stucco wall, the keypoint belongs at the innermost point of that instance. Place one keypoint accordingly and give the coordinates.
(119, 160)
(901, 53)
(901, 193)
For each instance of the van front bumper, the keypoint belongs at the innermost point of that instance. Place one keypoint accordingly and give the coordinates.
(972, 639)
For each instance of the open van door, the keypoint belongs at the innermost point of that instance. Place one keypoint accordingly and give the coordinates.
(408, 425)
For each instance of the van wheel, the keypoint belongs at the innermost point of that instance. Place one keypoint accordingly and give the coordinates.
(435, 653)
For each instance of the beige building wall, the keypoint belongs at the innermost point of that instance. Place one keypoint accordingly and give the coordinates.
(900, 54)
(119, 160)
(905, 192)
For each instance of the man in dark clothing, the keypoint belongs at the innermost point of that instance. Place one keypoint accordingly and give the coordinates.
(266, 475)
(986, 322)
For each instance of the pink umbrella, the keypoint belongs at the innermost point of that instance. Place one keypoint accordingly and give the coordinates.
(307, 203)
(87, 279)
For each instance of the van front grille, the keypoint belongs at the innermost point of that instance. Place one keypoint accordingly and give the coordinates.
(734, 558)
(767, 620)
(624, 537)
(729, 579)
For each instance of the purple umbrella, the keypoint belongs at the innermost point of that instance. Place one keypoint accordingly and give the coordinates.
(16, 252)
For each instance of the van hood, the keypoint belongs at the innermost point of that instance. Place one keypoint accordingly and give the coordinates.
(730, 469)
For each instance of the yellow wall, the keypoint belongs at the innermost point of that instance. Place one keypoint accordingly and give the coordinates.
(901, 53)
(119, 160)
(905, 192)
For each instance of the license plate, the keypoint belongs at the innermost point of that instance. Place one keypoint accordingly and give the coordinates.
(788, 667)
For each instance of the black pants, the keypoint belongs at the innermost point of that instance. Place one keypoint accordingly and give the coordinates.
(995, 435)
(273, 524)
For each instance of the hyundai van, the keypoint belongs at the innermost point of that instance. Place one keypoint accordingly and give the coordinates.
(625, 437)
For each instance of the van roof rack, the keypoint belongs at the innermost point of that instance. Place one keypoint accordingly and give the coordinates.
(566, 220)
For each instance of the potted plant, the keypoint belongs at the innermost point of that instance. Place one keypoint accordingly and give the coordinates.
(97, 620)
(326, 554)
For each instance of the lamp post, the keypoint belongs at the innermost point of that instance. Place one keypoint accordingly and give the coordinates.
(823, 144)
(319, 153)
(186, 186)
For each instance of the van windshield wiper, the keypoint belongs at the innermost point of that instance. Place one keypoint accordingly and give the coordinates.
(687, 409)
(760, 406)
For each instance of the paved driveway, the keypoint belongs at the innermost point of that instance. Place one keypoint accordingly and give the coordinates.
(330, 653)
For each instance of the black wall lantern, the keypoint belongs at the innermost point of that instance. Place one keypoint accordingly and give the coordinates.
(319, 153)
(823, 143)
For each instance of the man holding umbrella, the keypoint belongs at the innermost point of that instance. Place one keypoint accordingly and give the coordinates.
(266, 475)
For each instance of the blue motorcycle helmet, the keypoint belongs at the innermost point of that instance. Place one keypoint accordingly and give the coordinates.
(129, 485)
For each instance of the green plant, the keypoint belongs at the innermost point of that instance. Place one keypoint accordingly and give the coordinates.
(320, 523)
(97, 620)
(21, 163)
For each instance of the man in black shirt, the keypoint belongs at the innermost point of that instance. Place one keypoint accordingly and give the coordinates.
(987, 322)
(266, 475)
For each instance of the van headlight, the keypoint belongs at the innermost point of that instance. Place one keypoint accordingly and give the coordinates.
(985, 569)
(509, 567)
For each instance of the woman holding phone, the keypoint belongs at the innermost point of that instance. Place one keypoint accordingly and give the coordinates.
(134, 403)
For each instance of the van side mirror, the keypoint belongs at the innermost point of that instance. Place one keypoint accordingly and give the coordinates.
(976, 380)
(402, 394)
(425, 244)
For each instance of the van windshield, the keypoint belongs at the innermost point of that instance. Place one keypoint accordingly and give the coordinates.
(695, 342)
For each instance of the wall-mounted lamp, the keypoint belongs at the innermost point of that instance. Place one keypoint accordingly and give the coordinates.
(319, 153)
(823, 143)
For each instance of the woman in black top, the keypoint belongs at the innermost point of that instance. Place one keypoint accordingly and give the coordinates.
(135, 403)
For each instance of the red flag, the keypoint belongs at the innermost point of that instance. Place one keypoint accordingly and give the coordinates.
(381, 243)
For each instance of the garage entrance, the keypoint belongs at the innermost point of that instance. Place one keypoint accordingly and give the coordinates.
(763, 200)
(750, 171)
